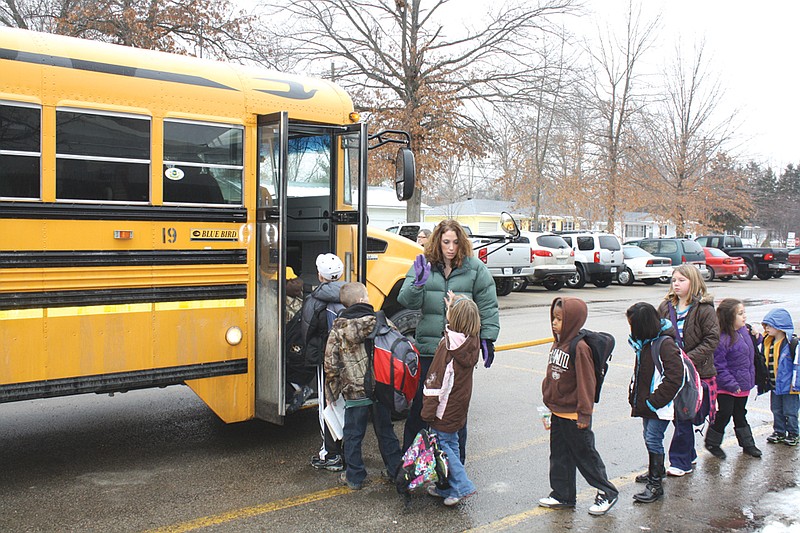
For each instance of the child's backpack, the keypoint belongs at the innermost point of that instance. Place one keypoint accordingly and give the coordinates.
(294, 337)
(602, 344)
(424, 462)
(395, 368)
(688, 401)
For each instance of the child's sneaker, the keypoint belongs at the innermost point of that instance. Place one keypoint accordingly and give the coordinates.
(791, 440)
(452, 500)
(776, 438)
(333, 463)
(552, 503)
(352, 486)
(602, 504)
(677, 472)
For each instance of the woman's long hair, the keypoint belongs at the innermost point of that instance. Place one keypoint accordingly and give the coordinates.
(697, 287)
(433, 249)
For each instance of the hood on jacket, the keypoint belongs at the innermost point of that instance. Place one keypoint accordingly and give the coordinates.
(356, 322)
(328, 291)
(780, 319)
(574, 313)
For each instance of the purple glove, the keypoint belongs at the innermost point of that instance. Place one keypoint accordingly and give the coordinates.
(487, 350)
(422, 270)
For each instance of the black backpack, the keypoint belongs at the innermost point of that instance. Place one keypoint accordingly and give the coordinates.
(602, 344)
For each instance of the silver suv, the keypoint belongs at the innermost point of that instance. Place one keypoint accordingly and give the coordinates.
(552, 259)
(598, 258)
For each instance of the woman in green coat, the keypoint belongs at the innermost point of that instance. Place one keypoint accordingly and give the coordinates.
(448, 264)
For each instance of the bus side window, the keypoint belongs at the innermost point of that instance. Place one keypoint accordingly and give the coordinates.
(195, 187)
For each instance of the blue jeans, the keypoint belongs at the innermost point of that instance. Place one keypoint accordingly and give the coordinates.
(681, 449)
(355, 427)
(654, 434)
(414, 422)
(460, 485)
(784, 412)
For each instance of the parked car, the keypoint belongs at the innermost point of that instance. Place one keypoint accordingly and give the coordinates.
(679, 250)
(507, 259)
(643, 266)
(794, 260)
(598, 258)
(552, 259)
(763, 262)
(721, 265)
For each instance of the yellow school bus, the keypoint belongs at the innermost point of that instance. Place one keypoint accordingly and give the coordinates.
(149, 206)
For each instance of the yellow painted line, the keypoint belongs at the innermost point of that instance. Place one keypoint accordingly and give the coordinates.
(199, 304)
(525, 344)
(249, 512)
(19, 314)
(99, 310)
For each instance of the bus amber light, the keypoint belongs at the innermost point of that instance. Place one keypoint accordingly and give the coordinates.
(233, 336)
(355, 116)
(124, 234)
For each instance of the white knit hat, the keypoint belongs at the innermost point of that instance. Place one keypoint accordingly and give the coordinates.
(329, 266)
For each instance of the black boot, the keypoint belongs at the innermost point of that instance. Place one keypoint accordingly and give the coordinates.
(745, 437)
(644, 477)
(653, 490)
(713, 443)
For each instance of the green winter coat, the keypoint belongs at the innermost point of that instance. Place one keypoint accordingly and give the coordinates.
(471, 279)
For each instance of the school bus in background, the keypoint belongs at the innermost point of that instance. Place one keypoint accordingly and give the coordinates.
(149, 206)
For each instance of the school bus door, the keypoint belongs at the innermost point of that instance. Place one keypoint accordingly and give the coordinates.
(301, 213)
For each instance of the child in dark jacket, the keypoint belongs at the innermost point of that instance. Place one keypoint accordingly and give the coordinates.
(736, 376)
(783, 376)
(346, 369)
(318, 312)
(448, 389)
(653, 389)
(568, 391)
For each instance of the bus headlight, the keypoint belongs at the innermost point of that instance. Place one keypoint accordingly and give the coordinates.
(233, 335)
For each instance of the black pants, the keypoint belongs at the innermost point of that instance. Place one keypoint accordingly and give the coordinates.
(414, 421)
(570, 449)
(730, 406)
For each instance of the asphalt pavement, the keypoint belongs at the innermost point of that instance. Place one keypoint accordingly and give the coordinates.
(159, 460)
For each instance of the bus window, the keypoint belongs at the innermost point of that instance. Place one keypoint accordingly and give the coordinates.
(203, 163)
(102, 157)
(20, 150)
(352, 164)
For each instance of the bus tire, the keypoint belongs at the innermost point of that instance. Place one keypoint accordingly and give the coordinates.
(406, 321)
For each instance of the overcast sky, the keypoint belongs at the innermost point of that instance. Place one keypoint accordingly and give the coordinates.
(753, 50)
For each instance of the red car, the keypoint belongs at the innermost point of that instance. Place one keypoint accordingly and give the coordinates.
(794, 260)
(721, 265)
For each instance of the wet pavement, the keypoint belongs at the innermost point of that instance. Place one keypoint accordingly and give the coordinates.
(159, 460)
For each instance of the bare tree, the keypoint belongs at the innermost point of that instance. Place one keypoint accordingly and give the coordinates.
(412, 71)
(686, 139)
(613, 85)
(213, 28)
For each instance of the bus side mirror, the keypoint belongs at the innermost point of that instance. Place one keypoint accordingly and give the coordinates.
(509, 225)
(405, 174)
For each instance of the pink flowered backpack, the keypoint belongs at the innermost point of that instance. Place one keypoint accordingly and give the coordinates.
(424, 462)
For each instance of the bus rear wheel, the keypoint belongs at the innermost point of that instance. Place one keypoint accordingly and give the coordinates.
(406, 321)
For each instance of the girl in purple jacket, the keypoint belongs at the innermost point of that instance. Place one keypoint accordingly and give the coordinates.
(736, 376)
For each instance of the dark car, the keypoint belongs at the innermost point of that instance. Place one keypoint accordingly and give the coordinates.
(680, 250)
